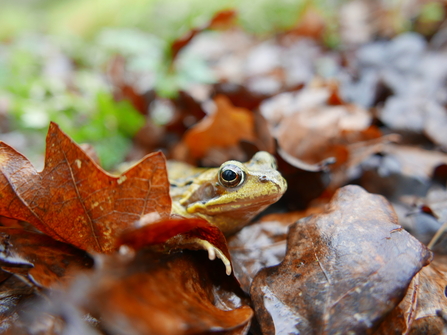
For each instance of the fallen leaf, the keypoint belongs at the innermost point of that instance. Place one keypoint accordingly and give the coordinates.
(187, 112)
(37, 258)
(13, 293)
(344, 270)
(431, 309)
(412, 162)
(315, 134)
(223, 129)
(122, 90)
(177, 233)
(149, 293)
(423, 309)
(176, 291)
(75, 201)
(239, 95)
(260, 245)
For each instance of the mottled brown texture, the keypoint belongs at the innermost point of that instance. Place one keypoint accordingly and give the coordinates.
(344, 269)
(181, 293)
(13, 292)
(38, 258)
(260, 245)
(424, 307)
(74, 200)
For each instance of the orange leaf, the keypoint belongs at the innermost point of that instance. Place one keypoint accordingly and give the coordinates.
(76, 201)
(159, 232)
(224, 128)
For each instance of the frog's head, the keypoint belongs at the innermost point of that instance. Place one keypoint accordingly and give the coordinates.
(235, 192)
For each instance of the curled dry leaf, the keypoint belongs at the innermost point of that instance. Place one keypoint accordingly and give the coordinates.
(37, 258)
(344, 270)
(75, 201)
(174, 294)
(180, 233)
(148, 293)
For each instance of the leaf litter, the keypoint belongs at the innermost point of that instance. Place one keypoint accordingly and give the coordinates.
(86, 251)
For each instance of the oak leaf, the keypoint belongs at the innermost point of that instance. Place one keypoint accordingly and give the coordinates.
(74, 200)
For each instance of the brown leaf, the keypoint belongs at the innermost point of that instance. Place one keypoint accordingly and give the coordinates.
(37, 258)
(415, 162)
(260, 245)
(177, 292)
(161, 231)
(75, 201)
(317, 134)
(424, 307)
(240, 95)
(224, 129)
(151, 293)
(344, 270)
(122, 89)
(13, 292)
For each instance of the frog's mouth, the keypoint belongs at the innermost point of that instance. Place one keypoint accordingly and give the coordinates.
(248, 207)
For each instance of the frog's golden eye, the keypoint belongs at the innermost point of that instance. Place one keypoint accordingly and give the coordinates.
(231, 176)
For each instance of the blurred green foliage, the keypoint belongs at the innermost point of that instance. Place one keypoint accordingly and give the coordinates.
(42, 84)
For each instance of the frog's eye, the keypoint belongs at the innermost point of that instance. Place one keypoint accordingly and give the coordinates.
(231, 176)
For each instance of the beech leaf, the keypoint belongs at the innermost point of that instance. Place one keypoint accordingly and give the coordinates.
(74, 200)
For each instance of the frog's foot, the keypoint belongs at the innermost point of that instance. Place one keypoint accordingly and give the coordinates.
(197, 243)
(213, 252)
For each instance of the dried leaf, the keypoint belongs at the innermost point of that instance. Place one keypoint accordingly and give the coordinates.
(424, 306)
(73, 200)
(13, 292)
(224, 129)
(161, 231)
(344, 270)
(149, 293)
(260, 245)
(413, 162)
(177, 292)
(37, 258)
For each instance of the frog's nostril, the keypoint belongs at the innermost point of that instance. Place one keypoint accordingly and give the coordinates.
(263, 179)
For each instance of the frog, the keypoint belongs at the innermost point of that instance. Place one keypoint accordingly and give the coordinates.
(228, 197)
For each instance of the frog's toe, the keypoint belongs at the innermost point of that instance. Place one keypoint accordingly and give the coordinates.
(196, 243)
(213, 252)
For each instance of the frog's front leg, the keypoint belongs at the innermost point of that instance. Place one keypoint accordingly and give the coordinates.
(196, 243)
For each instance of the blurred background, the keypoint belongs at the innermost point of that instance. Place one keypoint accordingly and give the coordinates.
(97, 68)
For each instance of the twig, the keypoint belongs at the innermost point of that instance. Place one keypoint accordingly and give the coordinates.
(438, 234)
